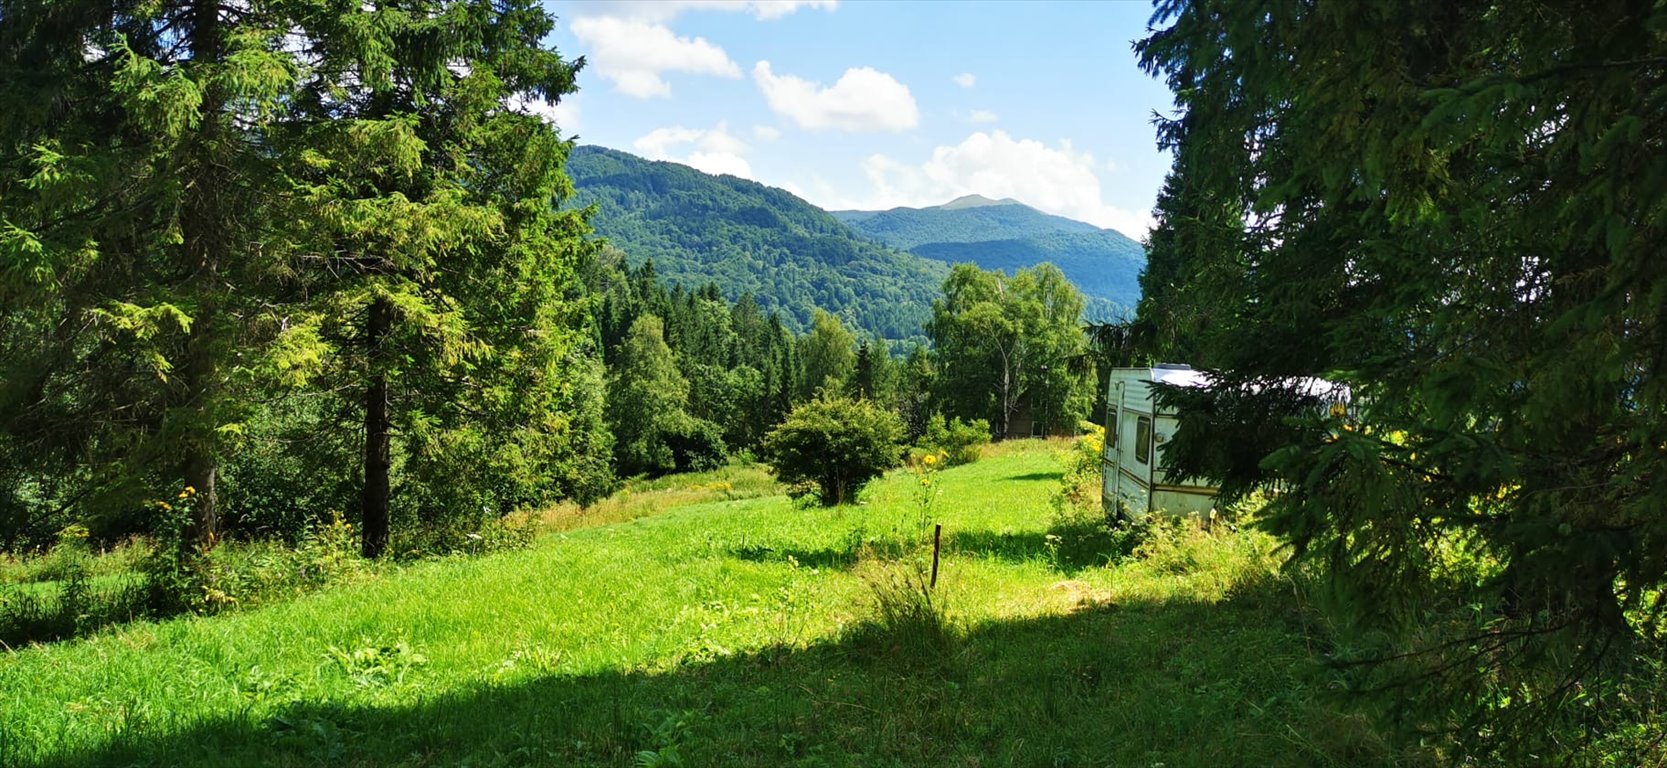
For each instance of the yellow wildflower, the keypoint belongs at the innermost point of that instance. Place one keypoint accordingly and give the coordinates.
(930, 459)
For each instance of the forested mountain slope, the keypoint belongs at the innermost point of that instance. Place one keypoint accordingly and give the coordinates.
(1008, 235)
(750, 238)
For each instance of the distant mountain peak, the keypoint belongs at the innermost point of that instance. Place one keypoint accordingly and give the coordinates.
(975, 201)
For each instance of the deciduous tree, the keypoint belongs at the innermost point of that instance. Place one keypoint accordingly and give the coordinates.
(828, 353)
(1005, 342)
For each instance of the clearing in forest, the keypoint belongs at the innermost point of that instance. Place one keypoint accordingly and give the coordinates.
(729, 633)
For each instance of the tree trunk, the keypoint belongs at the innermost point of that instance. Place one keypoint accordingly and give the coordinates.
(1009, 399)
(375, 510)
(200, 470)
(204, 225)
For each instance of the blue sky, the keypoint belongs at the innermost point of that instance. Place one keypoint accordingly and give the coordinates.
(878, 104)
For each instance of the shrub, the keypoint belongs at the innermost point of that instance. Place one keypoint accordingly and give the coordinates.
(697, 445)
(961, 442)
(516, 530)
(832, 447)
(1079, 487)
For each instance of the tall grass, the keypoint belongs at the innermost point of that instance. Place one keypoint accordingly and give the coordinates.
(648, 496)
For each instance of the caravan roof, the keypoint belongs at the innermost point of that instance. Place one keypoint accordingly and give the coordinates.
(1175, 375)
(1184, 376)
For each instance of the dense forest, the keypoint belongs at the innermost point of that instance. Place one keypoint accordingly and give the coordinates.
(966, 219)
(747, 238)
(694, 377)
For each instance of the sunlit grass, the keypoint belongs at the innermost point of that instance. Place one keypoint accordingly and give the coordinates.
(723, 633)
(643, 497)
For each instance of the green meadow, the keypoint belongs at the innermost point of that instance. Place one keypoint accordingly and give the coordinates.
(710, 621)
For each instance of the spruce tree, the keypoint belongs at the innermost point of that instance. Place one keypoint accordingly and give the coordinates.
(1456, 209)
(141, 245)
(439, 266)
(210, 207)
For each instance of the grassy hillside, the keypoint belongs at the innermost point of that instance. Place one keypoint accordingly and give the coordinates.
(735, 632)
(1002, 234)
(749, 238)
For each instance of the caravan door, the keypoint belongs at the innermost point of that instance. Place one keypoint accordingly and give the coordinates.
(1135, 458)
(1110, 460)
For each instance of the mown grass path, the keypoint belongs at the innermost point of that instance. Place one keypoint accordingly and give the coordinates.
(717, 634)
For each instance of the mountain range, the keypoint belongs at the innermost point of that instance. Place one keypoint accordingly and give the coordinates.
(879, 270)
(1006, 235)
(748, 238)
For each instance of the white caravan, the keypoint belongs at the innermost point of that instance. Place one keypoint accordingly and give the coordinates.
(1132, 480)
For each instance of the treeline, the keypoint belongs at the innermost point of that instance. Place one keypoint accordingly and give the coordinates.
(693, 378)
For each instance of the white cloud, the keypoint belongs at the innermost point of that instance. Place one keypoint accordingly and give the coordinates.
(864, 100)
(633, 54)
(766, 132)
(713, 150)
(564, 115)
(965, 79)
(775, 9)
(661, 11)
(982, 116)
(1057, 179)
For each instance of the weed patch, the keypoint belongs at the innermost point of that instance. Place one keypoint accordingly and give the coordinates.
(907, 622)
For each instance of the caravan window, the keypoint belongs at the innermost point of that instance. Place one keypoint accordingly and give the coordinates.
(1143, 440)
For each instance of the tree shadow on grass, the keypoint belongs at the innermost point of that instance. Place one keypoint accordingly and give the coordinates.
(1069, 549)
(1051, 476)
(839, 558)
(1182, 683)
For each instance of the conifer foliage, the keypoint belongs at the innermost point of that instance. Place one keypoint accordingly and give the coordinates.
(1457, 209)
(227, 226)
